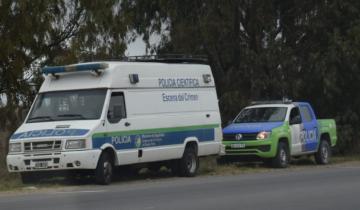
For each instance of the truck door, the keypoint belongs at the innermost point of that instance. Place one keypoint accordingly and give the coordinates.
(296, 127)
(310, 131)
(117, 126)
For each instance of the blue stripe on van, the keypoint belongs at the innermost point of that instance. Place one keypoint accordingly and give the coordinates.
(132, 141)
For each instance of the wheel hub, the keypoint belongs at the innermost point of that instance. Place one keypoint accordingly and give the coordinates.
(107, 170)
(325, 153)
(283, 157)
(191, 163)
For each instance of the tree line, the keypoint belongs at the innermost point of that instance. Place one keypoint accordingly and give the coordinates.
(303, 50)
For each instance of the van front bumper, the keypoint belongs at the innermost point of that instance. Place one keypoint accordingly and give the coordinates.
(64, 160)
(258, 148)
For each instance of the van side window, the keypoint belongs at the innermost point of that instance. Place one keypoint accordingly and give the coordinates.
(295, 117)
(306, 113)
(117, 109)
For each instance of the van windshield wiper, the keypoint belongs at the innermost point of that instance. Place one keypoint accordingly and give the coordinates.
(41, 117)
(72, 115)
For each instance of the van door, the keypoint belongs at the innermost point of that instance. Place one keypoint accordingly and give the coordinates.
(310, 128)
(118, 130)
(296, 127)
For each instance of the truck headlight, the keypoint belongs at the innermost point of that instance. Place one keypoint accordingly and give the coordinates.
(75, 144)
(14, 147)
(263, 135)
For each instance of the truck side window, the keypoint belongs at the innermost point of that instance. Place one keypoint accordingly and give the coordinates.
(117, 109)
(306, 113)
(295, 117)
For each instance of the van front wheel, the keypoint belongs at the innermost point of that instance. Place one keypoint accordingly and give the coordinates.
(104, 169)
(189, 163)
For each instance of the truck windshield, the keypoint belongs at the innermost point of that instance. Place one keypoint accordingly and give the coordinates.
(263, 114)
(68, 105)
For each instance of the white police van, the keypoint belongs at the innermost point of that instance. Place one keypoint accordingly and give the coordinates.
(100, 115)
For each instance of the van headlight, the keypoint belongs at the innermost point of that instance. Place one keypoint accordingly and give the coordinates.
(75, 144)
(263, 135)
(14, 147)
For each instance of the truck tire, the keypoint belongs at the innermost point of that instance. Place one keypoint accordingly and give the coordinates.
(281, 160)
(322, 156)
(104, 169)
(189, 163)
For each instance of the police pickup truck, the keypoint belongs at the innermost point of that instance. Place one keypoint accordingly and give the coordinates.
(277, 130)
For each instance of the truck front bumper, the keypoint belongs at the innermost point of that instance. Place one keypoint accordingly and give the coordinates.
(84, 159)
(258, 148)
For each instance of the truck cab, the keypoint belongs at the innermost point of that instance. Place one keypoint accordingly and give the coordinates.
(277, 130)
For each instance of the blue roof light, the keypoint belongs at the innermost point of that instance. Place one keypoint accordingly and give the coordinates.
(77, 67)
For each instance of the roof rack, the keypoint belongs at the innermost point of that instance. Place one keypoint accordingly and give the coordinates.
(169, 58)
(283, 101)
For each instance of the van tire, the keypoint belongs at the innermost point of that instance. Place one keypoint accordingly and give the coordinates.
(281, 160)
(322, 156)
(104, 169)
(189, 163)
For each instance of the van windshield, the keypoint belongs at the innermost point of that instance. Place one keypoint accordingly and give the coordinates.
(263, 114)
(68, 105)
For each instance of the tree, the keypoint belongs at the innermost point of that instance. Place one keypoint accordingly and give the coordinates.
(35, 33)
(305, 50)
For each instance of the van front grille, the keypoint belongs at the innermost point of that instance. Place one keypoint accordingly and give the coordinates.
(42, 146)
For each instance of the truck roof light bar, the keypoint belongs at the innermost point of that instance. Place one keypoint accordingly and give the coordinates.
(95, 67)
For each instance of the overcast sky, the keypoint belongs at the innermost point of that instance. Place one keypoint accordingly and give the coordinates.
(136, 48)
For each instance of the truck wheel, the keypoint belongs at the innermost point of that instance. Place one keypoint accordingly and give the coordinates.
(322, 156)
(281, 159)
(104, 169)
(189, 163)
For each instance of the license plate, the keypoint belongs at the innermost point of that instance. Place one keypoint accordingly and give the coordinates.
(237, 146)
(41, 165)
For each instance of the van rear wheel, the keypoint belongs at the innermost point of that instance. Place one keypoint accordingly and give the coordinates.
(189, 163)
(104, 169)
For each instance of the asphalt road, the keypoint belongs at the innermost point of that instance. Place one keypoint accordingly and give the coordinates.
(335, 187)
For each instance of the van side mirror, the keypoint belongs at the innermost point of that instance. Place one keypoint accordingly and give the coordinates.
(295, 120)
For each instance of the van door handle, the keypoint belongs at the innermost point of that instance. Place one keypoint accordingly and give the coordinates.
(127, 124)
(207, 115)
